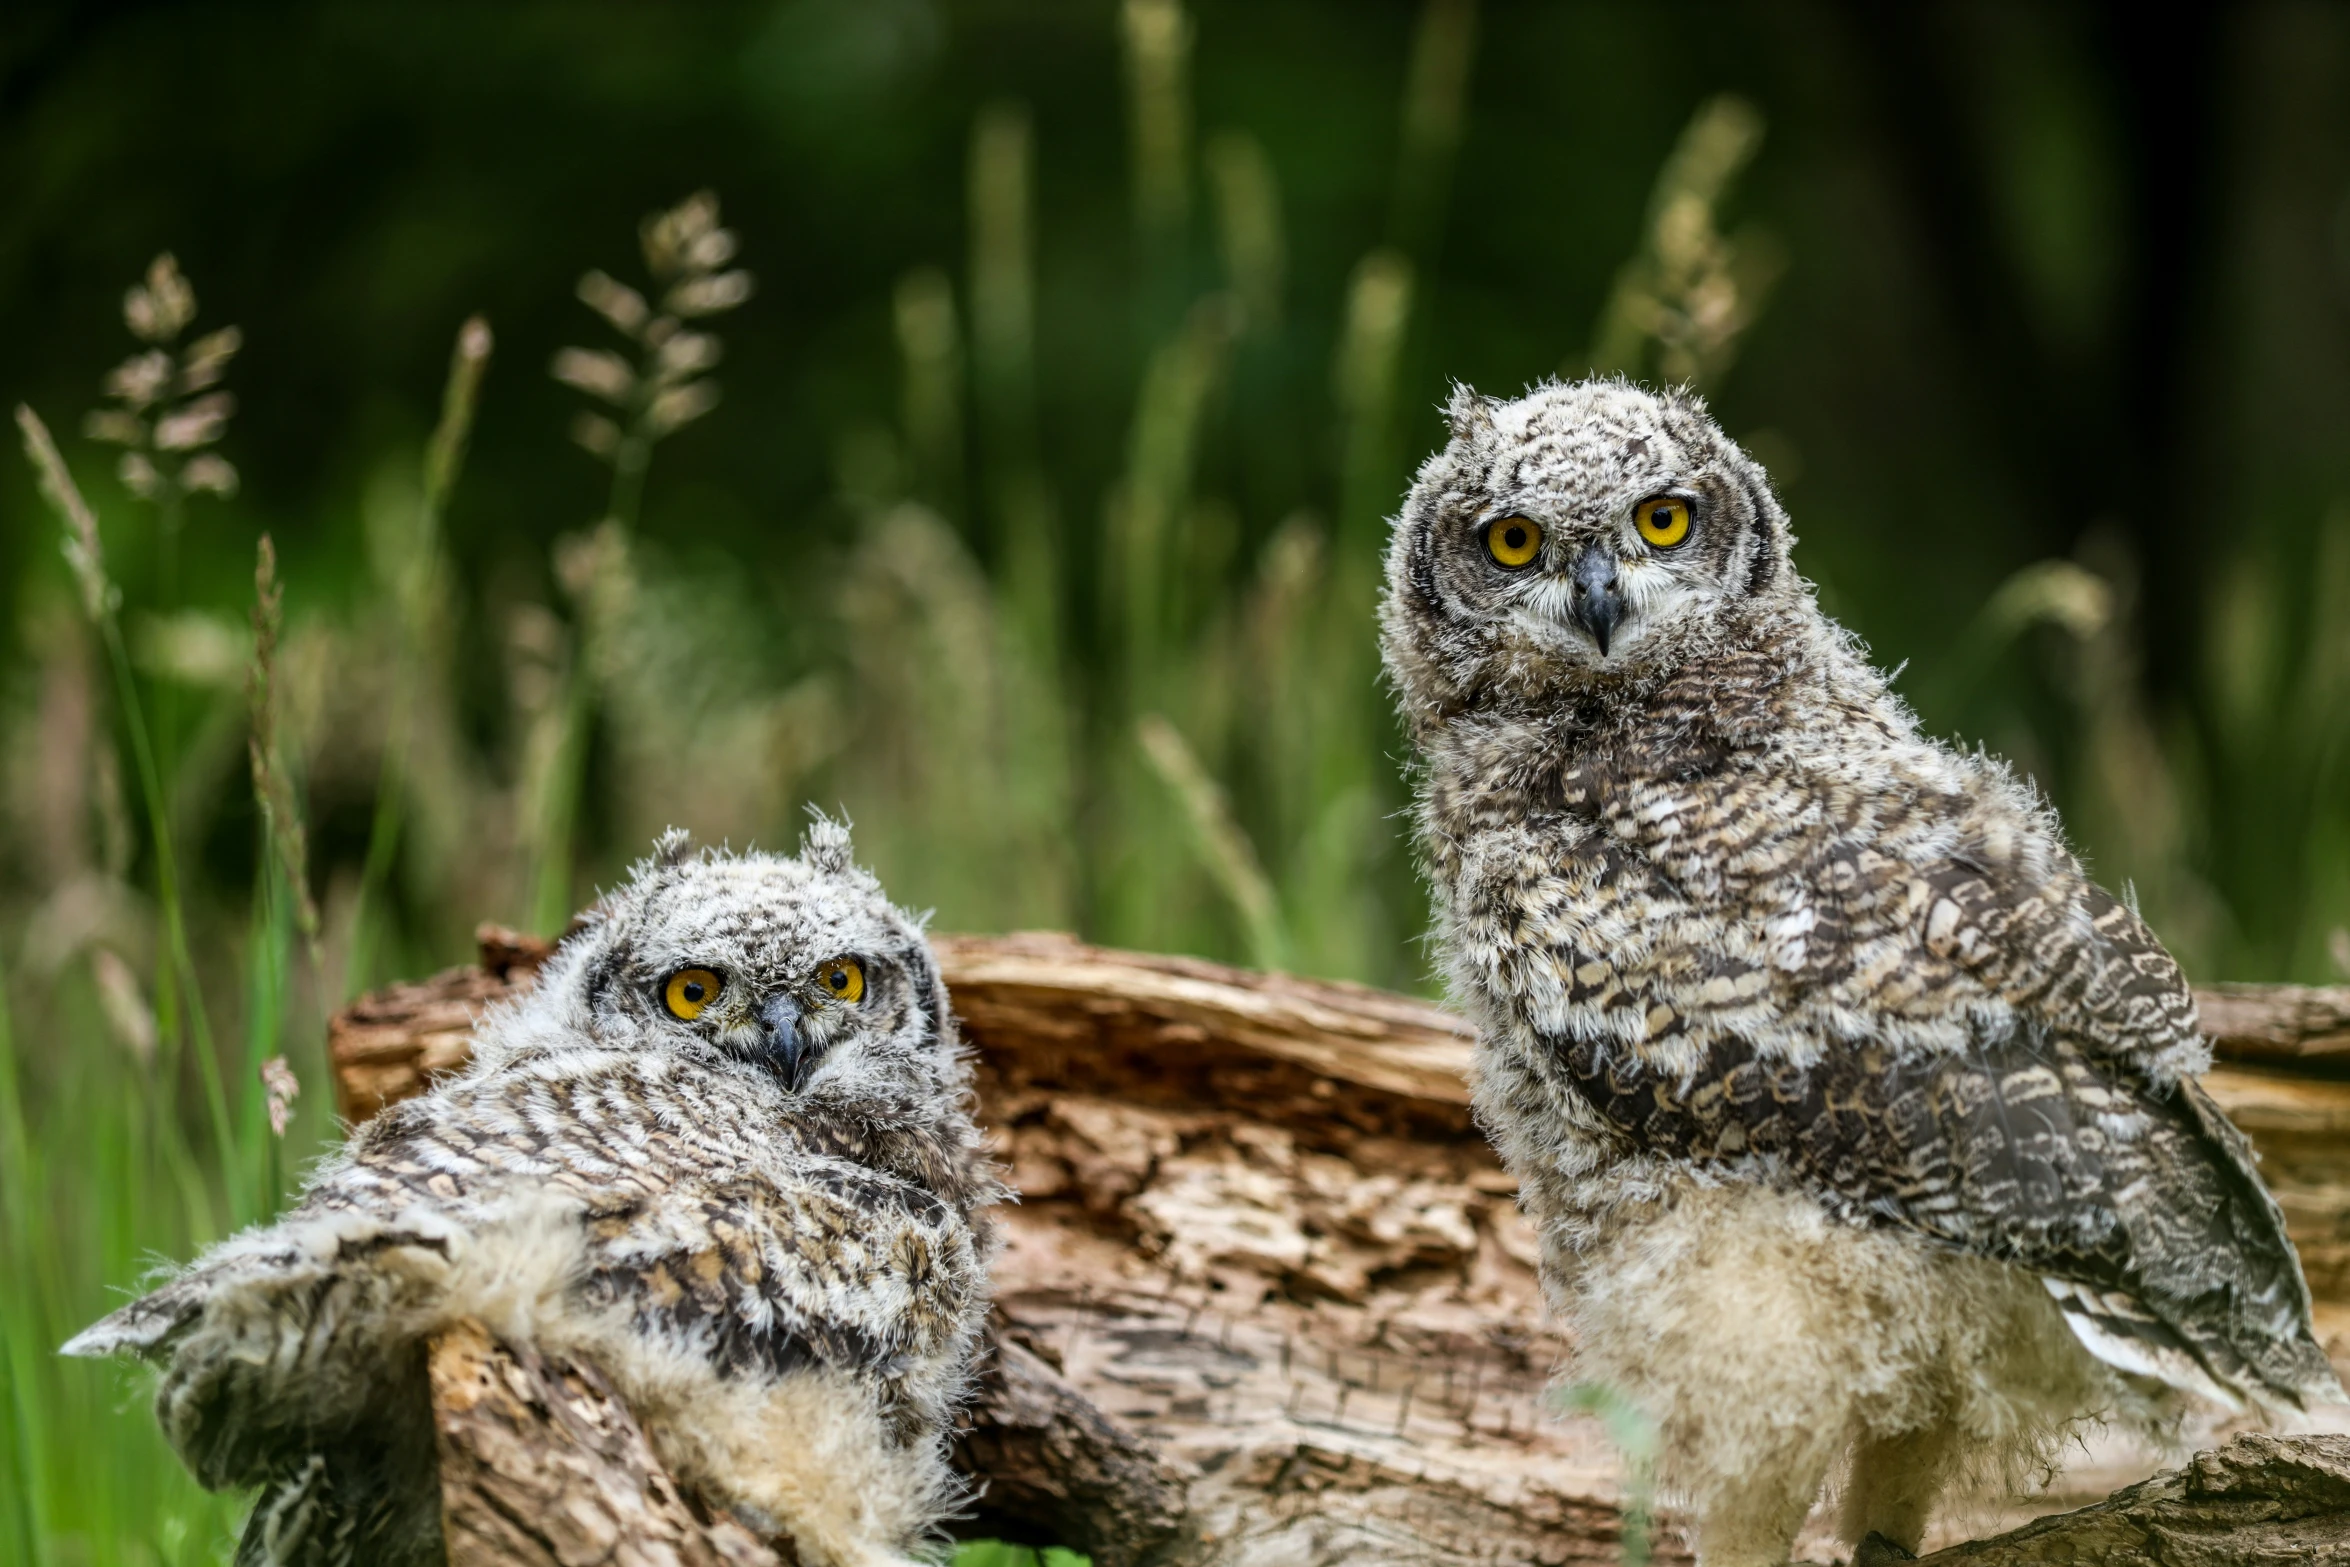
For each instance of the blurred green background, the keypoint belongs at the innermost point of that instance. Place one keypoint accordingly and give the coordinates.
(1085, 350)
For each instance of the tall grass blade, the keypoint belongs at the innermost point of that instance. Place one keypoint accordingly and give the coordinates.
(1003, 282)
(1155, 494)
(1022, 514)
(587, 566)
(167, 409)
(930, 348)
(285, 836)
(1248, 226)
(1222, 843)
(2058, 593)
(1635, 1437)
(1370, 352)
(31, 1423)
(688, 255)
(1157, 35)
(1436, 88)
(1688, 293)
(418, 591)
(85, 553)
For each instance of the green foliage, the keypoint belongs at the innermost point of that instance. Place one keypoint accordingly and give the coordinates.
(1635, 1439)
(997, 1553)
(139, 1174)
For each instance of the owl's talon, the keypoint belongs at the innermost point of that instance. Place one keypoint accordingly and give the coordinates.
(1877, 1551)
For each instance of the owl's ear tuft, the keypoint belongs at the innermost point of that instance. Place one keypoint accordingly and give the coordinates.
(1469, 411)
(672, 847)
(825, 845)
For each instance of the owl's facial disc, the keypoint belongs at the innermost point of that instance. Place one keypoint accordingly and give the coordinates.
(797, 972)
(1591, 594)
(1572, 540)
(789, 1029)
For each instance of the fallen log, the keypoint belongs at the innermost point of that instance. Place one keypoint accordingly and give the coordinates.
(1266, 1295)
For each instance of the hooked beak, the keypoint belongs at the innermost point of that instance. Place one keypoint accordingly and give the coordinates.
(784, 1046)
(1598, 607)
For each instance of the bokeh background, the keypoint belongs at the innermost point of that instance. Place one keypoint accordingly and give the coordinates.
(1001, 453)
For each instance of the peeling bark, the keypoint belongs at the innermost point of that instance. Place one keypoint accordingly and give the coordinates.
(1051, 1465)
(2260, 1501)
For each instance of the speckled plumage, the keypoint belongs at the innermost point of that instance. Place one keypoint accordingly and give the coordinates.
(782, 1271)
(1760, 969)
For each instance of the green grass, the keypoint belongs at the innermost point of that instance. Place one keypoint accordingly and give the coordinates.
(995, 1553)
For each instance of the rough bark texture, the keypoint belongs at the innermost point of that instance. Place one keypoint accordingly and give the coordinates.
(1056, 1467)
(2279, 1023)
(541, 1466)
(2258, 1500)
(1266, 1296)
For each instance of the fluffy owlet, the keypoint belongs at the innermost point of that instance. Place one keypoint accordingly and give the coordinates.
(723, 1150)
(1856, 1120)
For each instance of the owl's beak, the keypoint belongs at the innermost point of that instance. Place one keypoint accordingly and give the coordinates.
(785, 1047)
(1598, 607)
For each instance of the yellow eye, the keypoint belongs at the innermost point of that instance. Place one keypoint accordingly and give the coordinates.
(844, 978)
(1513, 541)
(1663, 522)
(689, 990)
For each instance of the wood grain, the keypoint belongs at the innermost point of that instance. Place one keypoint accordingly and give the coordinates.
(2258, 1501)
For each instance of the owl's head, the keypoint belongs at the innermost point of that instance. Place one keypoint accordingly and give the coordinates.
(799, 969)
(1582, 535)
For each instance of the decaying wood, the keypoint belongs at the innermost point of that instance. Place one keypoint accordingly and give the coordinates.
(389, 1043)
(2280, 1023)
(1054, 1463)
(542, 1466)
(2257, 1502)
(1266, 1296)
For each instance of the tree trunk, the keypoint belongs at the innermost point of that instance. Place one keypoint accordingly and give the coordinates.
(1267, 1297)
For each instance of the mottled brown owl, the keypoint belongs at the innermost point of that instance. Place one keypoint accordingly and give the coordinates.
(1856, 1120)
(723, 1150)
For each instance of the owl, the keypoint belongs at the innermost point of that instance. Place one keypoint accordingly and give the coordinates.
(722, 1150)
(1860, 1127)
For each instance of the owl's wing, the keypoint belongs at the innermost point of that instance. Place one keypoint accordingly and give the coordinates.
(818, 1262)
(2138, 1206)
(382, 1175)
(2003, 1042)
(276, 1340)
(148, 1325)
(2066, 954)
(360, 1505)
(1878, 878)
